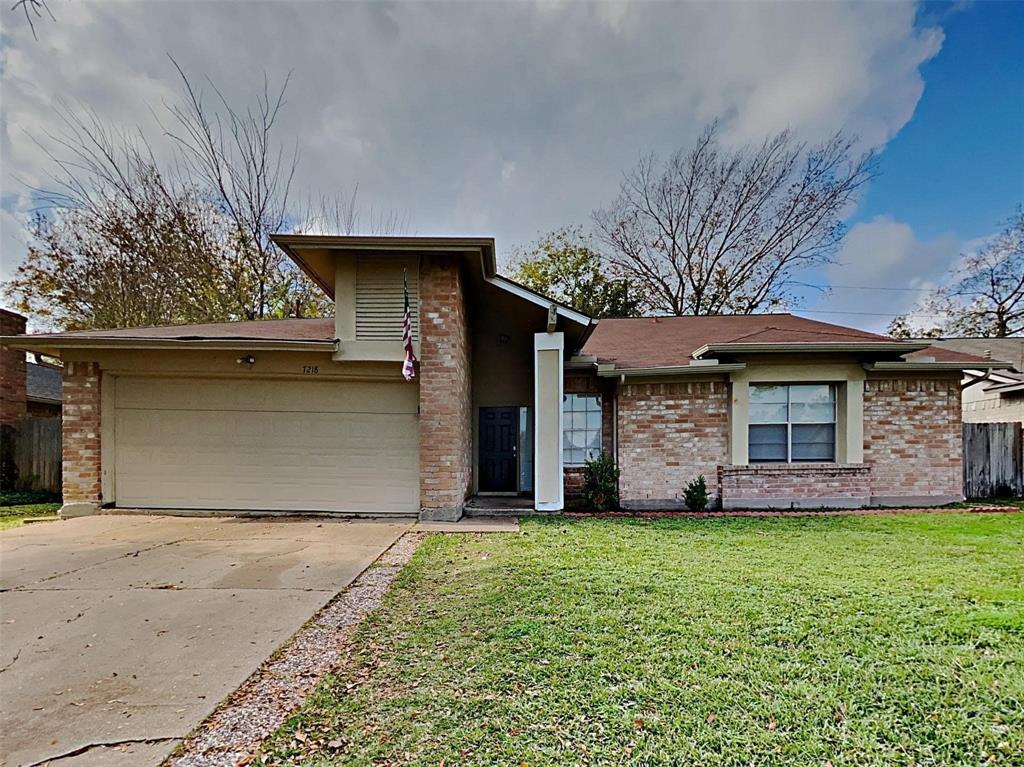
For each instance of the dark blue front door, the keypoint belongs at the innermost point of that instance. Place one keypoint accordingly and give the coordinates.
(499, 427)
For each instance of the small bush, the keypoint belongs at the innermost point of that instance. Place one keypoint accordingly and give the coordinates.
(696, 494)
(601, 483)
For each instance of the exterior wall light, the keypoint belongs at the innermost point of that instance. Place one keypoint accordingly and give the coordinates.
(247, 360)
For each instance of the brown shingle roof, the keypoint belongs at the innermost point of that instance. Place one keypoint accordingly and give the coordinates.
(941, 354)
(671, 341)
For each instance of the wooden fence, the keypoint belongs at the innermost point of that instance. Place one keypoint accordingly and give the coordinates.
(32, 455)
(993, 460)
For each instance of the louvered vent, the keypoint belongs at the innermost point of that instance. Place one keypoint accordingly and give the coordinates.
(379, 298)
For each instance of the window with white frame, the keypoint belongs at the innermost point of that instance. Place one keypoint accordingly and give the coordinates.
(792, 423)
(581, 428)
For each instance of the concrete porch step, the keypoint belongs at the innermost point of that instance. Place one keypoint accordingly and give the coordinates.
(498, 506)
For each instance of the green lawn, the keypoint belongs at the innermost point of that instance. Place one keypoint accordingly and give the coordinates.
(811, 641)
(12, 516)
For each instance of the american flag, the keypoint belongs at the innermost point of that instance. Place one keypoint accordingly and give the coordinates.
(409, 365)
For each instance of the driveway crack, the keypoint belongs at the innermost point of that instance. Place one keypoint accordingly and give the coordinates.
(29, 586)
(98, 744)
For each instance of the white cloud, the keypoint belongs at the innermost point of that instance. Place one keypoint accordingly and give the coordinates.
(423, 104)
(885, 256)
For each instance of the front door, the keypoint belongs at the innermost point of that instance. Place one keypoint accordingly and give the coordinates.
(499, 428)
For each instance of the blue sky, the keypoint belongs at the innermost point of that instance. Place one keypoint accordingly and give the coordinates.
(463, 130)
(958, 165)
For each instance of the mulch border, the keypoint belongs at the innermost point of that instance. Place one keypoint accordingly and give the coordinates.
(979, 509)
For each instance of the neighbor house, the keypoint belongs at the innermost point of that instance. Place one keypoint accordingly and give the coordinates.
(991, 396)
(513, 393)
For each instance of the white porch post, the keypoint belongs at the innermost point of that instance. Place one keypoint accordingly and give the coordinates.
(548, 485)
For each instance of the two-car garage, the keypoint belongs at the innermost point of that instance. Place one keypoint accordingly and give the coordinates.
(265, 444)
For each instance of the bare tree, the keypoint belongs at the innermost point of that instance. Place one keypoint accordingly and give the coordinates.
(986, 295)
(117, 241)
(719, 231)
(340, 213)
(236, 156)
(33, 10)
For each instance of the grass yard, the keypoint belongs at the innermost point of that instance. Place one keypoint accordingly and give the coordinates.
(812, 641)
(12, 516)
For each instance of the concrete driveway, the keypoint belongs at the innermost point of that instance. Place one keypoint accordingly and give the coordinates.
(119, 634)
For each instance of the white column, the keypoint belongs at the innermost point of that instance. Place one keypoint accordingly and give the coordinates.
(548, 485)
(850, 438)
(739, 419)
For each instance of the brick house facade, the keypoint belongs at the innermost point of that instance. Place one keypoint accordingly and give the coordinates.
(321, 420)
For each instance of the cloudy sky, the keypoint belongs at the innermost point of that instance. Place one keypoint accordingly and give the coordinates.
(510, 119)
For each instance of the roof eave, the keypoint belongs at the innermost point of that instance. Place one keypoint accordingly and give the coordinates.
(671, 370)
(291, 244)
(47, 344)
(902, 347)
(912, 365)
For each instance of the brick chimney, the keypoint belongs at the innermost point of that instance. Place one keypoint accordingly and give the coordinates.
(13, 402)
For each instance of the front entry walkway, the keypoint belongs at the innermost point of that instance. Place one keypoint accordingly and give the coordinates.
(122, 633)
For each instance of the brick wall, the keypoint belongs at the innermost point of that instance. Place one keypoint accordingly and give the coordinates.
(13, 406)
(446, 463)
(913, 438)
(668, 434)
(794, 485)
(81, 424)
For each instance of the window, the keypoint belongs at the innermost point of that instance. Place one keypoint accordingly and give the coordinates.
(792, 423)
(581, 428)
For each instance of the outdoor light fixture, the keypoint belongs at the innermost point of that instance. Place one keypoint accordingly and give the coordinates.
(248, 359)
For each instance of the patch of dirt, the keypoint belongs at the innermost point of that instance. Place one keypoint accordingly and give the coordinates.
(232, 734)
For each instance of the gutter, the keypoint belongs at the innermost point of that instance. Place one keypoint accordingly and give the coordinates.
(676, 370)
(43, 343)
(902, 347)
(911, 365)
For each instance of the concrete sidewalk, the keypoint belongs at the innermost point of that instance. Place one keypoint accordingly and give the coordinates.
(120, 634)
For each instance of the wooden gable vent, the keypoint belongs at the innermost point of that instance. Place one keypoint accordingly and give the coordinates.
(379, 297)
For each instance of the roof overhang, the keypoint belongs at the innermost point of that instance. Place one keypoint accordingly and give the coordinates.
(669, 370)
(894, 347)
(937, 366)
(50, 344)
(307, 252)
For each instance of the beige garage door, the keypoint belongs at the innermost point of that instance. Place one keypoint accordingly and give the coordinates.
(266, 445)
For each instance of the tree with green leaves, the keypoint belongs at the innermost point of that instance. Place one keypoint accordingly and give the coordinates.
(564, 265)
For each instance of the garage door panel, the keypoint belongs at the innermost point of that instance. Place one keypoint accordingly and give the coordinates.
(270, 459)
(265, 395)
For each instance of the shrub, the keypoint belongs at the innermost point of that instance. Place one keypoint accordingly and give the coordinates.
(696, 494)
(601, 483)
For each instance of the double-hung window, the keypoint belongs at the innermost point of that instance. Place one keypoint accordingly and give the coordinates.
(581, 428)
(792, 423)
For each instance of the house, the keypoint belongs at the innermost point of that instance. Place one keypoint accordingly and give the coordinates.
(514, 392)
(27, 389)
(991, 396)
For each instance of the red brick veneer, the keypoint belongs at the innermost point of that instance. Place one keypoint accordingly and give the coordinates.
(668, 433)
(81, 426)
(913, 437)
(446, 463)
